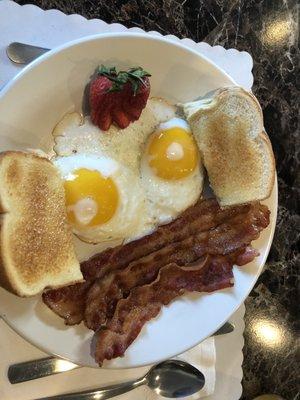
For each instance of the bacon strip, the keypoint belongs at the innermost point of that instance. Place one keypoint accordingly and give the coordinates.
(68, 302)
(204, 215)
(145, 302)
(235, 234)
(247, 256)
(105, 292)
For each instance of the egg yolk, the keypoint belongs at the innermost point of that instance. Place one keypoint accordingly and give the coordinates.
(172, 153)
(91, 198)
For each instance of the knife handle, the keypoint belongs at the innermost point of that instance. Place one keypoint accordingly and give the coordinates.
(29, 370)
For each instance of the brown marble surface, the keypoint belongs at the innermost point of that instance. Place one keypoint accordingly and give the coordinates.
(268, 30)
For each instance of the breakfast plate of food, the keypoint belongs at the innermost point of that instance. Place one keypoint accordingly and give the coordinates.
(138, 199)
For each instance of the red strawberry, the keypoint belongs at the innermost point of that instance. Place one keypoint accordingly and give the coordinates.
(101, 102)
(98, 91)
(135, 103)
(118, 97)
(120, 117)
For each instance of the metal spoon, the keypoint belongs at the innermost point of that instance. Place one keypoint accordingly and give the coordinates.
(34, 369)
(21, 53)
(172, 378)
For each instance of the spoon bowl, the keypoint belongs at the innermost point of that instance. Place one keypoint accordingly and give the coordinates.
(174, 379)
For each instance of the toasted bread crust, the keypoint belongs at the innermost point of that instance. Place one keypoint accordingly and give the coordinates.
(36, 240)
(5, 281)
(264, 136)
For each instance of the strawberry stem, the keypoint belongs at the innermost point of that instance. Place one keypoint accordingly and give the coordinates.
(134, 75)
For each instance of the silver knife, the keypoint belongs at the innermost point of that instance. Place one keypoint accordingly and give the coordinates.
(29, 370)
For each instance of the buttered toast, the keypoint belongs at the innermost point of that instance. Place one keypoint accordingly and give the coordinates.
(235, 149)
(36, 240)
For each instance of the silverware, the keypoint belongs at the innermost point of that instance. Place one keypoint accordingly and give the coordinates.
(172, 378)
(29, 370)
(21, 53)
(226, 328)
(34, 369)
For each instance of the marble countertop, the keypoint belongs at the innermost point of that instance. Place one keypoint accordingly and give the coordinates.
(268, 30)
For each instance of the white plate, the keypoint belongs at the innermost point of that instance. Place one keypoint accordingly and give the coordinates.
(32, 103)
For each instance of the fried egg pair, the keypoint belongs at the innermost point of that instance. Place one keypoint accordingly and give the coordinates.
(158, 173)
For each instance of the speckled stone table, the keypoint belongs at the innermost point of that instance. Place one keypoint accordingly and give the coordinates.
(268, 30)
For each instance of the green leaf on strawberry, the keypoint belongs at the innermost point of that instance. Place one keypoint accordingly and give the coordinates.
(134, 75)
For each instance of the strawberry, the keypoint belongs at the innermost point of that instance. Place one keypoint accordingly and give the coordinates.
(118, 97)
(136, 102)
(120, 117)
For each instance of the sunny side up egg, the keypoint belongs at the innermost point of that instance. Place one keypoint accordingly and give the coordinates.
(171, 172)
(103, 198)
(160, 163)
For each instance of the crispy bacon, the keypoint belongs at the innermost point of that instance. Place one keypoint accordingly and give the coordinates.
(204, 215)
(68, 302)
(246, 256)
(105, 292)
(235, 234)
(145, 302)
(127, 285)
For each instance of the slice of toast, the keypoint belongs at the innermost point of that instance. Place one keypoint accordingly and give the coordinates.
(35, 238)
(236, 151)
